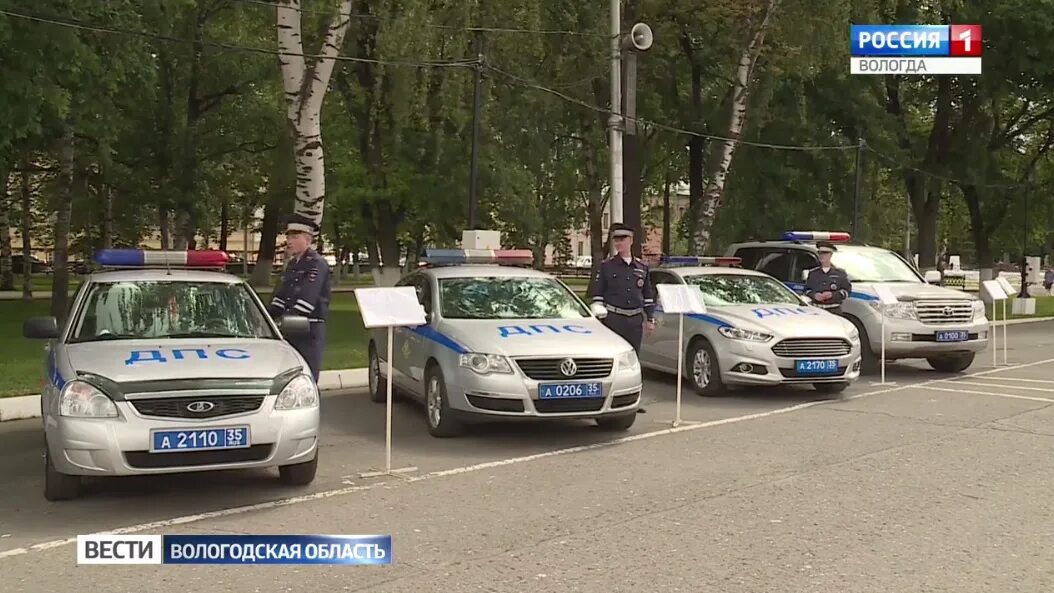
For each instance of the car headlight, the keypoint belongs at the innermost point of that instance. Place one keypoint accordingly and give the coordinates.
(83, 400)
(854, 336)
(904, 311)
(627, 360)
(979, 311)
(736, 333)
(485, 363)
(299, 393)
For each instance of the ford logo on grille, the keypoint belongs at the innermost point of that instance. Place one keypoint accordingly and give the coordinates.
(200, 407)
(568, 367)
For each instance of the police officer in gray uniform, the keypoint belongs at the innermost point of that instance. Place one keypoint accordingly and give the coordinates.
(305, 290)
(623, 287)
(827, 285)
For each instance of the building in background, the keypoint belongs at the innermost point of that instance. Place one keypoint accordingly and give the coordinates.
(581, 257)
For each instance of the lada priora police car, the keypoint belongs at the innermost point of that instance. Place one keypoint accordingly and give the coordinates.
(503, 343)
(756, 331)
(947, 327)
(172, 370)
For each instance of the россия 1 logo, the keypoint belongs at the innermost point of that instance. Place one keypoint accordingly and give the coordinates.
(915, 49)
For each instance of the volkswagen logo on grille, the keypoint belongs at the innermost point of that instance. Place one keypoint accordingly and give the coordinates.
(568, 367)
(200, 407)
(948, 311)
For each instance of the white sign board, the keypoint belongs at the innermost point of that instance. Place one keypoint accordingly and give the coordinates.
(1005, 285)
(885, 295)
(994, 289)
(680, 298)
(395, 306)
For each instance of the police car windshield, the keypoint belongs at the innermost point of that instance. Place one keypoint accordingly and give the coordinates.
(726, 290)
(873, 265)
(507, 297)
(138, 310)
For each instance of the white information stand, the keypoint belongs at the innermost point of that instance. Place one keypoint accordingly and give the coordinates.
(681, 300)
(995, 293)
(389, 307)
(1009, 290)
(886, 298)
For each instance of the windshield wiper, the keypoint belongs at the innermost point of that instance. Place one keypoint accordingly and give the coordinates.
(205, 334)
(105, 337)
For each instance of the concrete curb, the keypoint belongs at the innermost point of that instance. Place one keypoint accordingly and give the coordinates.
(28, 406)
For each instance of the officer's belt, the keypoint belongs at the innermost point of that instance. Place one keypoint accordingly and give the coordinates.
(828, 305)
(626, 312)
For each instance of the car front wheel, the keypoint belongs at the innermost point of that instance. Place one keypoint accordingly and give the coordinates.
(831, 388)
(299, 474)
(617, 423)
(951, 364)
(703, 369)
(441, 421)
(378, 390)
(58, 486)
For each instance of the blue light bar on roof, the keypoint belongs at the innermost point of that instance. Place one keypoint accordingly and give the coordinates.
(832, 236)
(692, 260)
(135, 258)
(509, 257)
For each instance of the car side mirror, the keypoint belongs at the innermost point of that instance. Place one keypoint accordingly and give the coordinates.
(805, 275)
(294, 326)
(41, 328)
(932, 277)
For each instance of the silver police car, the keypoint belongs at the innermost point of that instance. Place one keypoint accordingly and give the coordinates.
(756, 332)
(178, 370)
(504, 343)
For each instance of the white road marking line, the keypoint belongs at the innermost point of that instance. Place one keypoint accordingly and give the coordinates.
(490, 464)
(1021, 387)
(1006, 395)
(1015, 379)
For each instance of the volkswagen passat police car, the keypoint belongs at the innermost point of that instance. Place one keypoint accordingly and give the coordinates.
(504, 342)
(159, 369)
(756, 332)
(946, 327)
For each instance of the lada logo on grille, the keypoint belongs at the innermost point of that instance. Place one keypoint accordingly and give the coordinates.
(200, 407)
(568, 367)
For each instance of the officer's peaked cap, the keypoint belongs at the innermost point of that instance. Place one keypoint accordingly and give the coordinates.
(298, 223)
(621, 230)
(825, 247)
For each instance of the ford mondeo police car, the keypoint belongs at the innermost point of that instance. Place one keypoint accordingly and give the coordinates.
(160, 368)
(946, 327)
(756, 332)
(505, 342)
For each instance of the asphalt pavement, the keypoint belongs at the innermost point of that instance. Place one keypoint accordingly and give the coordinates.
(935, 483)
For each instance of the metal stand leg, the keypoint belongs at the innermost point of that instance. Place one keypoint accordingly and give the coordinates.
(883, 360)
(388, 471)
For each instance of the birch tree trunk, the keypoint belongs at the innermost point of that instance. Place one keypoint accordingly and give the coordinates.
(26, 194)
(7, 275)
(741, 87)
(60, 284)
(305, 82)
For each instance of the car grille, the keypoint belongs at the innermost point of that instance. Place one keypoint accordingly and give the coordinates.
(812, 348)
(793, 374)
(148, 460)
(176, 407)
(548, 369)
(944, 312)
(561, 406)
